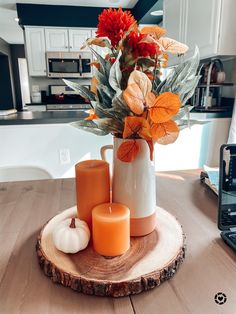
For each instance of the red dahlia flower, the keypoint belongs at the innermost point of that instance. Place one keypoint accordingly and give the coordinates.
(113, 24)
(141, 49)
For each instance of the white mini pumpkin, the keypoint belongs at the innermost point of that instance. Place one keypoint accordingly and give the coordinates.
(71, 235)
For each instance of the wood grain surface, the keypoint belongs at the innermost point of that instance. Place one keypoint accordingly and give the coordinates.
(209, 266)
(150, 260)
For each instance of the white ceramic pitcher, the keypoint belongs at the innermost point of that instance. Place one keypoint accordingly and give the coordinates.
(134, 185)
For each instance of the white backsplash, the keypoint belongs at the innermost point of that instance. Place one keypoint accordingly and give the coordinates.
(43, 82)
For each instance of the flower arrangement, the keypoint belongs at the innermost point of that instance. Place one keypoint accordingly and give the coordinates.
(129, 100)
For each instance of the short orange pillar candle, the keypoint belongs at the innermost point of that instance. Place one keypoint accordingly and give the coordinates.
(92, 187)
(111, 229)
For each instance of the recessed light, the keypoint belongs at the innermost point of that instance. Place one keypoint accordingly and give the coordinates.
(157, 13)
(16, 19)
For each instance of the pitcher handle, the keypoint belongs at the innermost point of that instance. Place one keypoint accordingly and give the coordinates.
(103, 151)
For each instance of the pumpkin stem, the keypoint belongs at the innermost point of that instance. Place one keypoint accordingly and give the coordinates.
(72, 224)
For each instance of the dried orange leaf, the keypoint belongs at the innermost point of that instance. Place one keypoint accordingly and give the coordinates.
(96, 64)
(134, 98)
(172, 46)
(165, 133)
(150, 99)
(151, 147)
(94, 83)
(101, 42)
(128, 151)
(165, 106)
(156, 31)
(136, 126)
(132, 126)
(142, 80)
(92, 115)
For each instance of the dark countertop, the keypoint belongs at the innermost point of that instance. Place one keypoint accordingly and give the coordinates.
(42, 117)
(56, 117)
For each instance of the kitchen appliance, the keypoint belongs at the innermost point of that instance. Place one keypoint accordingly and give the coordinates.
(69, 64)
(227, 194)
(62, 97)
(36, 95)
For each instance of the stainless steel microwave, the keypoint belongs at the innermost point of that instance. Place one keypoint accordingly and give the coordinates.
(69, 64)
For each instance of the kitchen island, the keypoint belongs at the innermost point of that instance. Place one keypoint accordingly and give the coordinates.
(48, 141)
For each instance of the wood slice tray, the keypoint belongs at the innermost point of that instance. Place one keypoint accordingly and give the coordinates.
(151, 260)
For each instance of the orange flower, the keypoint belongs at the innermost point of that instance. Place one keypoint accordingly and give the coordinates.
(113, 23)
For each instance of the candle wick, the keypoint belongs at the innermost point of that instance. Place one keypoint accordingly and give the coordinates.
(110, 209)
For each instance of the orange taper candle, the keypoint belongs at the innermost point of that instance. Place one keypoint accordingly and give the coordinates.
(111, 229)
(92, 187)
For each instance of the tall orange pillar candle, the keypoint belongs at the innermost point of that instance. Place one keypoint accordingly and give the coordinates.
(111, 229)
(92, 187)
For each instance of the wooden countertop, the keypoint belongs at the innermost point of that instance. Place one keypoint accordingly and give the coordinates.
(209, 267)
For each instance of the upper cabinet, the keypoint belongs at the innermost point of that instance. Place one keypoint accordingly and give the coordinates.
(77, 38)
(211, 25)
(35, 51)
(56, 39)
(39, 40)
(65, 39)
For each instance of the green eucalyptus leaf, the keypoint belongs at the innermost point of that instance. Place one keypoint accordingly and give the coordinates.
(90, 126)
(115, 74)
(183, 79)
(105, 64)
(82, 90)
(109, 125)
(103, 95)
(185, 123)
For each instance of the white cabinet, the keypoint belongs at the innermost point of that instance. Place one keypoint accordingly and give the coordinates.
(211, 25)
(58, 39)
(172, 21)
(35, 50)
(77, 38)
(202, 26)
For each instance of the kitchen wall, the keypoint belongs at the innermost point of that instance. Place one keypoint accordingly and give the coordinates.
(7, 84)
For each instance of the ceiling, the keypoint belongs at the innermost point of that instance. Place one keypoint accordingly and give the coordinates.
(11, 32)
